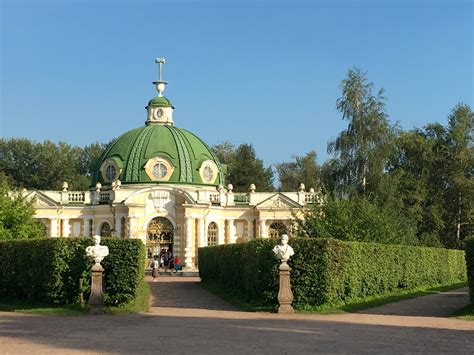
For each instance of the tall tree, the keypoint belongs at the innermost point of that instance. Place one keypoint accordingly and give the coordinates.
(303, 169)
(16, 214)
(364, 146)
(460, 171)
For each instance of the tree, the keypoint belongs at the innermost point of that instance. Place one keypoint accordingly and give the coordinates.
(243, 167)
(460, 171)
(16, 214)
(356, 219)
(363, 147)
(47, 165)
(303, 169)
(89, 157)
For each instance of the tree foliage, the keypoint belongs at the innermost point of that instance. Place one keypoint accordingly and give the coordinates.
(244, 168)
(363, 147)
(16, 214)
(47, 165)
(303, 169)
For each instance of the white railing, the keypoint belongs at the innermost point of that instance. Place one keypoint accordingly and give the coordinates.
(76, 196)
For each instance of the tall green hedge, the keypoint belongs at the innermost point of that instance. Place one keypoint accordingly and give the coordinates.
(470, 265)
(48, 270)
(328, 271)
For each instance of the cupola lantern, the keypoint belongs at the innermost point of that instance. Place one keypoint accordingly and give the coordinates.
(160, 109)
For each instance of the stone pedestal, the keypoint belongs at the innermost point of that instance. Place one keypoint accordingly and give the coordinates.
(96, 298)
(285, 296)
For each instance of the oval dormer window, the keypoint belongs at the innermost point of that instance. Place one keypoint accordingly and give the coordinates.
(111, 169)
(110, 172)
(159, 169)
(208, 172)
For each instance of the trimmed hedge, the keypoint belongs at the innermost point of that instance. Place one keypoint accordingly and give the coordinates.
(48, 270)
(470, 265)
(328, 272)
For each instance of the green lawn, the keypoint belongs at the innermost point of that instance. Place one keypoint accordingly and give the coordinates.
(466, 313)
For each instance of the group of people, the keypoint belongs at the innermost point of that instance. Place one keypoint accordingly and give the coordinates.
(165, 260)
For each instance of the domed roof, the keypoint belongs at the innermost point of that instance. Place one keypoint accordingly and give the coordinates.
(135, 156)
(160, 101)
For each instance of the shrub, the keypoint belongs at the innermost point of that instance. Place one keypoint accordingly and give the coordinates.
(356, 220)
(470, 265)
(328, 272)
(48, 270)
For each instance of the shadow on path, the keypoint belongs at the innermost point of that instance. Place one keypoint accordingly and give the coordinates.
(184, 292)
(441, 304)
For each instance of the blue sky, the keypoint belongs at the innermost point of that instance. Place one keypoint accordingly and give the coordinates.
(266, 73)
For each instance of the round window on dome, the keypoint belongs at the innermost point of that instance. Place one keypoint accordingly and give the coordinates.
(208, 172)
(110, 170)
(159, 169)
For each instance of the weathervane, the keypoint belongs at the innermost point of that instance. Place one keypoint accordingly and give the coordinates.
(160, 84)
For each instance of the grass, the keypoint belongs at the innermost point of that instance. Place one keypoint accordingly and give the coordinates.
(138, 305)
(466, 313)
(369, 302)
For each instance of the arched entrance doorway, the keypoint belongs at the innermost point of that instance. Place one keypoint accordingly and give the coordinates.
(277, 229)
(160, 237)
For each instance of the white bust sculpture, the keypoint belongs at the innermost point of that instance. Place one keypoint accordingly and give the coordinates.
(97, 252)
(283, 251)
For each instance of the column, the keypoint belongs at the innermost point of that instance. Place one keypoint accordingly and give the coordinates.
(53, 227)
(66, 228)
(220, 232)
(263, 228)
(87, 227)
(131, 227)
(231, 231)
(188, 230)
(118, 226)
(249, 229)
(202, 233)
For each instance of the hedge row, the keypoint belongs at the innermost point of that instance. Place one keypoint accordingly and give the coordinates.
(327, 271)
(470, 266)
(48, 270)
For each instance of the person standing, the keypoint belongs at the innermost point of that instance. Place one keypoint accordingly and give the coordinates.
(154, 269)
(177, 264)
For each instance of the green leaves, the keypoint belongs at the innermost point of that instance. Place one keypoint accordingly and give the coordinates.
(327, 272)
(244, 168)
(49, 270)
(17, 214)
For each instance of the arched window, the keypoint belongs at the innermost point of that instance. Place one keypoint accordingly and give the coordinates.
(277, 229)
(212, 234)
(105, 230)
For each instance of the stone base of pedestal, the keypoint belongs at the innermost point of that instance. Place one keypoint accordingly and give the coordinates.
(285, 296)
(286, 309)
(96, 298)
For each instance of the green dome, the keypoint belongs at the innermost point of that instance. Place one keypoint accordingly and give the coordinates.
(185, 154)
(160, 101)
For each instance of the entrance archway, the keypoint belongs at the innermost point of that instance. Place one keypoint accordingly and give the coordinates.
(160, 237)
(277, 229)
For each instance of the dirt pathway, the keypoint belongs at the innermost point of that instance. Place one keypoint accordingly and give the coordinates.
(186, 319)
(441, 304)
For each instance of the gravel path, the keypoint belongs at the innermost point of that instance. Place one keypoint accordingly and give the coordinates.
(186, 319)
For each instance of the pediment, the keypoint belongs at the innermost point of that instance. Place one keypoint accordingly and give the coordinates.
(41, 200)
(278, 201)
